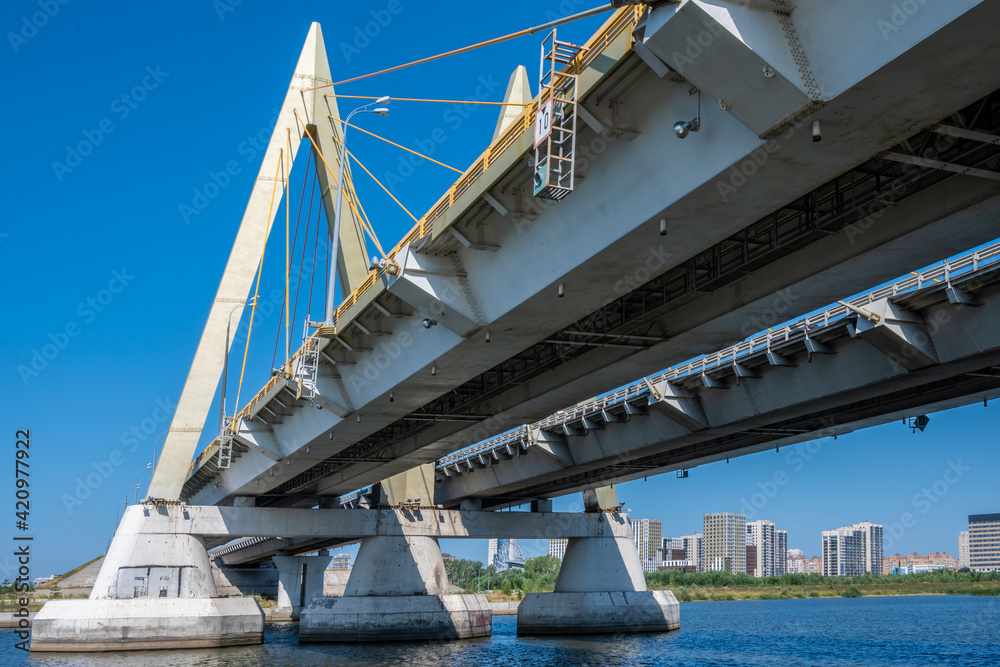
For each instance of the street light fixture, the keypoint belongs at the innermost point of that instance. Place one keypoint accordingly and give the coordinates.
(379, 110)
(225, 366)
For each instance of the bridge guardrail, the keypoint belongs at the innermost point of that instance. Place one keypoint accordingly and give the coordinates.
(939, 274)
(622, 19)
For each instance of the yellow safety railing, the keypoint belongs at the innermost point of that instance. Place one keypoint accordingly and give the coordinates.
(622, 19)
(626, 17)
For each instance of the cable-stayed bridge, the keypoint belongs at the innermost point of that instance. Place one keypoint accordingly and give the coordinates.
(601, 236)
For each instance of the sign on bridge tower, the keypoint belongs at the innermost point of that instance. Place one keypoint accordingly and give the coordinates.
(555, 120)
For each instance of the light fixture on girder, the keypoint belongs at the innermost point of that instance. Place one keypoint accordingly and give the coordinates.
(428, 323)
(919, 423)
(663, 226)
(682, 128)
(817, 131)
(434, 369)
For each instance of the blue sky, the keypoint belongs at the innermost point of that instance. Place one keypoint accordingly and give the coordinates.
(118, 118)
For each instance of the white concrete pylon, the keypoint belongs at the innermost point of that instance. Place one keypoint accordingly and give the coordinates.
(518, 93)
(352, 260)
(313, 108)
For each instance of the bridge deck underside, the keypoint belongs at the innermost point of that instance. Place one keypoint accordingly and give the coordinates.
(697, 301)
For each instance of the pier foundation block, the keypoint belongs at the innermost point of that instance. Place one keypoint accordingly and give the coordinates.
(396, 591)
(600, 588)
(119, 625)
(154, 591)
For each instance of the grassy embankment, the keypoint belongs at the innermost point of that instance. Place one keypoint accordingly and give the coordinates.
(539, 576)
(725, 586)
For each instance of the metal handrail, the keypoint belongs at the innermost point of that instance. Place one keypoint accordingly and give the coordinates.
(620, 20)
(939, 274)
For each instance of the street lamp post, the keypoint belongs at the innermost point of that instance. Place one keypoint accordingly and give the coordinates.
(335, 244)
(225, 367)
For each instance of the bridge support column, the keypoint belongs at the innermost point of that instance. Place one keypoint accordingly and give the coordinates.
(398, 588)
(300, 579)
(600, 588)
(154, 591)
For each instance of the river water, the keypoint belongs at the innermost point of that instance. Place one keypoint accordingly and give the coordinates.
(931, 630)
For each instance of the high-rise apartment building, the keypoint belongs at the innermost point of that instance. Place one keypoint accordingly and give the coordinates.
(984, 542)
(691, 546)
(963, 549)
(760, 535)
(780, 552)
(694, 550)
(725, 542)
(771, 554)
(852, 550)
(673, 543)
(557, 547)
(648, 535)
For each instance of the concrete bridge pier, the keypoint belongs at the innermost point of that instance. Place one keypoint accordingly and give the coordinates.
(154, 591)
(398, 587)
(600, 587)
(300, 579)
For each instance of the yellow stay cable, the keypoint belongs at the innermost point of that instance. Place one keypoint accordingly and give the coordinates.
(489, 42)
(256, 290)
(372, 134)
(382, 186)
(354, 193)
(355, 200)
(334, 176)
(418, 99)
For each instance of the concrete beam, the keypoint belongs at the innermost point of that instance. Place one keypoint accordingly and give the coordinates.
(261, 438)
(552, 445)
(433, 288)
(678, 404)
(899, 334)
(206, 522)
(330, 396)
(413, 486)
